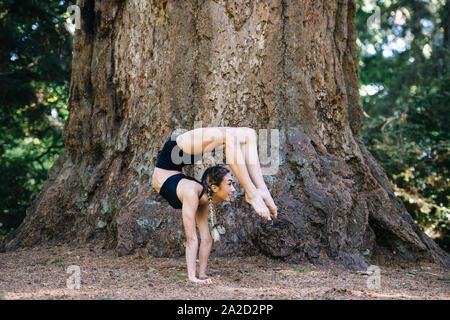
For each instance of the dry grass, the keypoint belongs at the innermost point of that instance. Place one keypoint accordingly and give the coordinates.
(40, 273)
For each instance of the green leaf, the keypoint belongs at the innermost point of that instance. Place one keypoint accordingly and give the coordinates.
(57, 262)
(302, 270)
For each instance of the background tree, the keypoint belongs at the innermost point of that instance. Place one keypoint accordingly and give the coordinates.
(143, 69)
(405, 85)
(35, 67)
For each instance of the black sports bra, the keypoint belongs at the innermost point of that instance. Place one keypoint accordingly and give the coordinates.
(172, 157)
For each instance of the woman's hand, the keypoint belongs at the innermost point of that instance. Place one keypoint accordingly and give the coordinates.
(201, 281)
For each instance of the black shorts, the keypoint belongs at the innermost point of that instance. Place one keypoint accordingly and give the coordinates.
(169, 190)
(172, 157)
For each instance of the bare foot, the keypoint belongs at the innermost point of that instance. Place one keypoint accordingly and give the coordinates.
(201, 281)
(265, 194)
(258, 204)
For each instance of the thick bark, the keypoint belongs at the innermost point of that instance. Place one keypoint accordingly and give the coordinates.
(144, 68)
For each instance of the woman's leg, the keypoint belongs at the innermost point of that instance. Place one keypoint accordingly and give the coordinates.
(237, 163)
(201, 140)
(206, 139)
(254, 168)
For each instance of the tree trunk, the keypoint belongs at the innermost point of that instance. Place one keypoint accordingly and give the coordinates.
(142, 69)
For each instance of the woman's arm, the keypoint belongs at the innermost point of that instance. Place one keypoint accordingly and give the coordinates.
(190, 205)
(206, 240)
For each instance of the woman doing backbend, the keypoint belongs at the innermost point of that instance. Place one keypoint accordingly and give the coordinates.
(194, 197)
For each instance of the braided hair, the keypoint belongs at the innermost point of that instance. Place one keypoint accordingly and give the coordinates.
(213, 175)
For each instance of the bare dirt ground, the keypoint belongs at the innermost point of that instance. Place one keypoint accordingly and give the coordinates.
(42, 273)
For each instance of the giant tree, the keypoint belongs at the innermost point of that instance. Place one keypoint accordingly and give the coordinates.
(142, 69)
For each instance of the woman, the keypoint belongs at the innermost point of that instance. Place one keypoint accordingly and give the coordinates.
(193, 197)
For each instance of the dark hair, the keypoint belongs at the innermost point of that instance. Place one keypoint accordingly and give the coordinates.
(213, 175)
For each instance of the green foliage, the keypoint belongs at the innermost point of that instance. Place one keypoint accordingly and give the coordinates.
(57, 262)
(302, 270)
(35, 68)
(405, 89)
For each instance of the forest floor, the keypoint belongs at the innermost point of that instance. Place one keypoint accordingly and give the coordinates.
(44, 273)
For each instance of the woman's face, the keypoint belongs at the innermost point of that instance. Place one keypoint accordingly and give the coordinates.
(226, 189)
